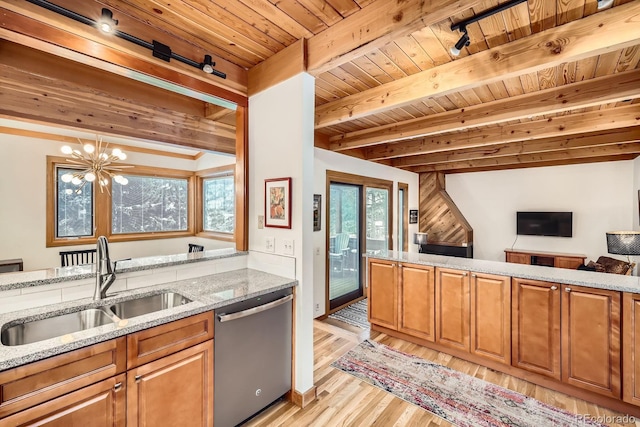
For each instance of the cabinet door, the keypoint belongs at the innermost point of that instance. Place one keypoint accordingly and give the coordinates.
(452, 308)
(416, 301)
(383, 294)
(631, 346)
(536, 326)
(568, 262)
(518, 258)
(98, 405)
(491, 317)
(175, 391)
(591, 339)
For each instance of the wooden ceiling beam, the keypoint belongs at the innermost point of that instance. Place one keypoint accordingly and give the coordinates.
(523, 147)
(589, 93)
(216, 112)
(604, 32)
(560, 156)
(556, 127)
(375, 25)
(49, 100)
(32, 26)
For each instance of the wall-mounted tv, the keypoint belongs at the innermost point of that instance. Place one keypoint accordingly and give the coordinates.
(559, 224)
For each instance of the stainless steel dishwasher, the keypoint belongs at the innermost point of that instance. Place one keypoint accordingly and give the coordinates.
(252, 356)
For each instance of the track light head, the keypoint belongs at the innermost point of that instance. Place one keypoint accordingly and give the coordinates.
(604, 4)
(207, 64)
(106, 23)
(464, 41)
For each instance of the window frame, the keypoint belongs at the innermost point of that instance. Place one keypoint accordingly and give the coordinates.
(201, 176)
(102, 202)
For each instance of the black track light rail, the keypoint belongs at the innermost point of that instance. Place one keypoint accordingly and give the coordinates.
(125, 36)
(463, 24)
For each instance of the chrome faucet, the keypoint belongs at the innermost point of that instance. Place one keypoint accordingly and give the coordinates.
(105, 275)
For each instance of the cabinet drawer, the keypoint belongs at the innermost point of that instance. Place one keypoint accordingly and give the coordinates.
(37, 382)
(152, 344)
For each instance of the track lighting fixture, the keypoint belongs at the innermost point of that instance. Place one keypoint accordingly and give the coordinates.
(462, 26)
(464, 41)
(604, 4)
(106, 23)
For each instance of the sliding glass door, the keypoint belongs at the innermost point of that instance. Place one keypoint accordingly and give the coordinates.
(345, 282)
(377, 220)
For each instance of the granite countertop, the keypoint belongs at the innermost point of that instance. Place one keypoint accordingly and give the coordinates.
(207, 293)
(24, 279)
(615, 282)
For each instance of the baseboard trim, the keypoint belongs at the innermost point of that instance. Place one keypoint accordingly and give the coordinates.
(302, 399)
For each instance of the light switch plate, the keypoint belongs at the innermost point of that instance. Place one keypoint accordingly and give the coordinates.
(287, 246)
(270, 244)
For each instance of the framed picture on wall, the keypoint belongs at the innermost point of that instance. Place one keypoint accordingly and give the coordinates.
(413, 216)
(317, 203)
(277, 202)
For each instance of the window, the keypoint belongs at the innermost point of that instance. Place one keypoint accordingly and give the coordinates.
(156, 203)
(216, 202)
(74, 207)
(149, 204)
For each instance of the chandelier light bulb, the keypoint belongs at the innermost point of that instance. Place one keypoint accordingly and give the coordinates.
(116, 152)
(124, 181)
(104, 156)
(104, 182)
(90, 177)
(77, 153)
(68, 191)
(118, 179)
(76, 181)
(122, 156)
(88, 148)
(66, 149)
(67, 177)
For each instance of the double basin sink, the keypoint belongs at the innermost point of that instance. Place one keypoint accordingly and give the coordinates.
(57, 326)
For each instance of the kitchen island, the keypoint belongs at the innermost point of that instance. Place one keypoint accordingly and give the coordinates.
(143, 369)
(572, 331)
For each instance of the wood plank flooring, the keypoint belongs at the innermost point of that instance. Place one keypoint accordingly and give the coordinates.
(346, 401)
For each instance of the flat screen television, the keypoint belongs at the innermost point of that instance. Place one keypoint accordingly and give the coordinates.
(559, 224)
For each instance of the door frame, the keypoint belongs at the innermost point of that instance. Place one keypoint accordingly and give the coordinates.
(405, 220)
(363, 181)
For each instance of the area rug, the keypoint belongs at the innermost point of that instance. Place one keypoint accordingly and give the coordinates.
(461, 399)
(354, 314)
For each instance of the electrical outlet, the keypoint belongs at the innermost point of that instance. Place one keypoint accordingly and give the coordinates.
(287, 247)
(318, 250)
(260, 221)
(317, 306)
(270, 244)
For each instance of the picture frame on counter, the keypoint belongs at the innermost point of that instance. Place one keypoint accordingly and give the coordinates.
(317, 212)
(277, 202)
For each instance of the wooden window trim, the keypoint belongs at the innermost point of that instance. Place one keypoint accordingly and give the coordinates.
(102, 203)
(220, 171)
(405, 222)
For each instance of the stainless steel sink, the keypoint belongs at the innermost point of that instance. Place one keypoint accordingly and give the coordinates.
(43, 329)
(148, 304)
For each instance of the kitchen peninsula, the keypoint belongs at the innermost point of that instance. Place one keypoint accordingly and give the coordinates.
(117, 372)
(568, 330)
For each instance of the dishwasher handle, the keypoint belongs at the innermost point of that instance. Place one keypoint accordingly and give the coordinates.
(254, 310)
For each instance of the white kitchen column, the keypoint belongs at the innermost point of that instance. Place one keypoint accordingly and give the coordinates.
(281, 132)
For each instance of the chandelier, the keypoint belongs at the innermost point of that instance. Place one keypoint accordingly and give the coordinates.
(95, 163)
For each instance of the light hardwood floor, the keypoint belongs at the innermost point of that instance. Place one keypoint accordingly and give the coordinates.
(346, 401)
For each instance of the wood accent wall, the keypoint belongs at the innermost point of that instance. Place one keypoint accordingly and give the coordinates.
(439, 215)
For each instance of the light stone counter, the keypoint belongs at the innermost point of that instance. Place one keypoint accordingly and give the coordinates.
(207, 293)
(615, 282)
(24, 279)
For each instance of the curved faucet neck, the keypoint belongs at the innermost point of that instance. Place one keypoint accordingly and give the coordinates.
(105, 276)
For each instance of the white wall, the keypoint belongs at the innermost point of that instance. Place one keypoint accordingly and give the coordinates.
(600, 195)
(281, 145)
(329, 160)
(23, 205)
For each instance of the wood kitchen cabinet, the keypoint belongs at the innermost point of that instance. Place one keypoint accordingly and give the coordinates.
(176, 390)
(416, 297)
(98, 405)
(491, 317)
(591, 339)
(383, 293)
(631, 346)
(536, 326)
(452, 308)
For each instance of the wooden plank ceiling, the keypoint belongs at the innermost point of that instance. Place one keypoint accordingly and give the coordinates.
(546, 82)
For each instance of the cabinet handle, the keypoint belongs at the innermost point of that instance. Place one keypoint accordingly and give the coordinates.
(117, 386)
(567, 289)
(137, 378)
(553, 288)
(474, 276)
(464, 274)
(393, 265)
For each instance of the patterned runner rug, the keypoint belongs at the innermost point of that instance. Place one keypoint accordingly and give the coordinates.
(354, 314)
(458, 398)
